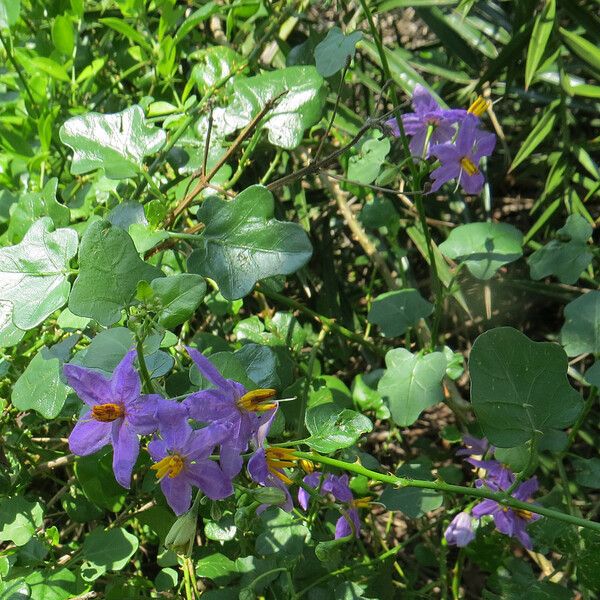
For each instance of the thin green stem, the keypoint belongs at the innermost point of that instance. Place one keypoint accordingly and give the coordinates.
(589, 403)
(147, 386)
(442, 486)
(19, 71)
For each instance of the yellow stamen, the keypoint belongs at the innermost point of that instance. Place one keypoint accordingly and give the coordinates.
(254, 401)
(468, 165)
(524, 514)
(170, 465)
(278, 459)
(107, 412)
(306, 465)
(362, 502)
(479, 106)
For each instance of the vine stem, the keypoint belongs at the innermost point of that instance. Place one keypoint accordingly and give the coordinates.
(147, 386)
(441, 486)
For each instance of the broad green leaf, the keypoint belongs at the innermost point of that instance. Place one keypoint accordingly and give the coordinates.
(332, 54)
(364, 166)
(536, 136)
(9, 334)
(242, 243)
(33, 274)
(19, 519)
(366, 397)
(397, 311)
(213, 64)
(592, 375)
(217, 567)
(300, 106)
(111, 549)
(50, 67)
(413, 502)
(542, 28)
(54, 584)
(412, 383)
(95, 476)
(585, 49)
(519, 388)
(179, 296)
(332, 429)
(261, 365)
(115, 142)
(166, 580)
(223, 530)
(32, 206)
(40, 387)
(9, 12)
(281, 534)
(109, 271)
(127, 30)
(567, 256)
(484, 247)
(587, 561)
(63, 35)
(587, 472)
(581, 331)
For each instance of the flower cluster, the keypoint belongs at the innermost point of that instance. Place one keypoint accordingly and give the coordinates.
(230, 419)
(498, 478)
(452, 136)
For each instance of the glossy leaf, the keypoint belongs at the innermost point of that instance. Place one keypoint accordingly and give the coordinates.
(332, 54)
(397, 311)
(581, 331)
(109, 271)
(115, 142)
(585, 49)
(9, 12)
(484, 247)
(179, 296)
(9, 333)
(542, 28)
(19, 519)
(519, 388)
(242, 243)
(33, 274)
(412, 383)
(109, 550)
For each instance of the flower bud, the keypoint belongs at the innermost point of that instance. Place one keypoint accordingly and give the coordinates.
(269, 495)
(460, 531)
(180, 538)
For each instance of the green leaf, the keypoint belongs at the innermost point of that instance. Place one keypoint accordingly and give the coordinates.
(223, 530)
(368, 398)
(242, 243)
(166, 580)
(98, 483)
(413, 502)
(281, 534)
(40, 387)
(204, 12)
(115, 142)
(109, 271)
(587, 561)
(217, 567)
(9, 12)
(567, 256)
(54, 584)
(519, 388)
(484, 247)
(542, 28)
(63, 36)
(586, 50)
(332, 54)
(536, 136)
(51, 68)
(364, 167)
(33, 274)
(32, 206)
(9, 334)
(299, 108)
(581, 331)
(397, 311)
(332, 429)
(412, 383)
(180, 295)
(19, 519)
(127, 30)
(109, 550)
(587, 472)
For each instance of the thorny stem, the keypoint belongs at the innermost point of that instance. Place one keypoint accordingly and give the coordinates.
(442, 486)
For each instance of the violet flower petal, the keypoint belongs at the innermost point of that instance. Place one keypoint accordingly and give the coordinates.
(207, 369)
(141, 414)
(173, 426)
(126, 447)
(88, 436)
(92, 387)
(125, 382)
(208, 476)
(178, 492)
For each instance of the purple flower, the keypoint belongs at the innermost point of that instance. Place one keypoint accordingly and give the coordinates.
(460, 531)
(182, 458)
(337, 486)
(460, 160)
(118, 413)
(428, 114)
(474, 446)
(229, 402)
(496, 474)
(511, 521)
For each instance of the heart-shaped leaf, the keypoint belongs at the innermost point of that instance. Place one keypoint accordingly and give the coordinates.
(242, 243)
(332, 429)
(335, 50)
(519, 388)
(179, 296)
(581, 331)
(412, 383)
(396, 311)
(109, 271)
(33, 274)
(115, 142)
(484, 247)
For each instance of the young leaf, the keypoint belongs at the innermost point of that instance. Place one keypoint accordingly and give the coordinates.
(581, 331)
(109, 271)
(242, 243)
(33, 274)
(332, 54)
(542, 28)
(115, 142)
(536, 136)
(396, 311)
(519, 388)
(484, 247)
(412, 383)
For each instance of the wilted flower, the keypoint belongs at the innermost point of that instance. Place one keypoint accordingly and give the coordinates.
(118, 414)
(460, 531)
(511, 521)
(182, 457)
(460, 160)
(229, 402)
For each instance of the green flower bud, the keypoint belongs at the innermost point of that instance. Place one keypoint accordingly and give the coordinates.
(269, 495)
(180, 538)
